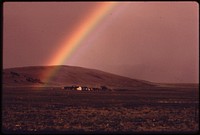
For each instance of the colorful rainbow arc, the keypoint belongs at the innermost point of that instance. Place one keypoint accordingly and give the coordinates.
(67, 48)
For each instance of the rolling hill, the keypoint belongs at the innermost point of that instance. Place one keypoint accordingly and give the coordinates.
(68, 76)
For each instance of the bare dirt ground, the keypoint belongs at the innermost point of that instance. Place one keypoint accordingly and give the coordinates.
(163, 110)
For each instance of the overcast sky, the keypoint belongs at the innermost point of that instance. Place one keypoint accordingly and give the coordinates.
(153, 41)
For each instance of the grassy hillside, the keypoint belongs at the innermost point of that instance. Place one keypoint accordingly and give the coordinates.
(68, 75)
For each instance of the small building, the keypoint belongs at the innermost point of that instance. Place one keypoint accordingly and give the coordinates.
(84, 88)
(79, 88)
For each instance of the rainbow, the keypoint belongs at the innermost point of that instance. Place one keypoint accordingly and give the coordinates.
(71, 43)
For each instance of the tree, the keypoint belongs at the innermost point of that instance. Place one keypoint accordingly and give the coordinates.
(104, 88)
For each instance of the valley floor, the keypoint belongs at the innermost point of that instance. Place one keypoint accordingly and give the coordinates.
(34, 110)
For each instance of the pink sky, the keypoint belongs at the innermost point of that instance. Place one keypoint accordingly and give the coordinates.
(154, 41)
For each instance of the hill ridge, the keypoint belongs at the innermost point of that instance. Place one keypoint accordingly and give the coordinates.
(69, 75)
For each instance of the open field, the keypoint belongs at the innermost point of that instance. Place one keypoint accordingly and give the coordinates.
(127, 111)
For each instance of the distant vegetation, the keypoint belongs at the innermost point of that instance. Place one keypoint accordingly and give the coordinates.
(161, 110)
(69, 76)
(81, 100)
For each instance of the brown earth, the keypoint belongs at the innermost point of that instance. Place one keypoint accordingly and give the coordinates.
(133, 106)
(147, 110)
(67, 76)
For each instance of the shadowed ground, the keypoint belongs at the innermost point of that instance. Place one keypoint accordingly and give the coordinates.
(144, 110)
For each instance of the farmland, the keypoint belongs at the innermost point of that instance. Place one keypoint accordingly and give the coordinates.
(140, 110)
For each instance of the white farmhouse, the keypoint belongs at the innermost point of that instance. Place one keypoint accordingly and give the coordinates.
(79, 88)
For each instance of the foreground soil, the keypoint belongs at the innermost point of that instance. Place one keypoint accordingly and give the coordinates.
(35, 110)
